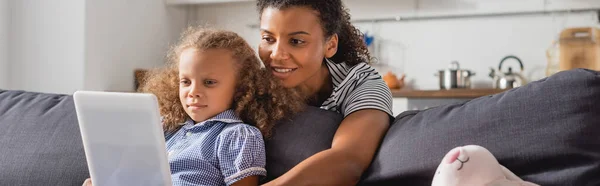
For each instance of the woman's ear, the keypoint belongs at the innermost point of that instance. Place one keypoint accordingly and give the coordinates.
(331, 46)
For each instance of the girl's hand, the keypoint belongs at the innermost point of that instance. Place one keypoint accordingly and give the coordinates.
(87, 182)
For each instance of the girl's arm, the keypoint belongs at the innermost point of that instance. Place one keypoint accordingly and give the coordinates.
(352, 150)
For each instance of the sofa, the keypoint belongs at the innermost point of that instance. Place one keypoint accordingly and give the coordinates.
(546, 132)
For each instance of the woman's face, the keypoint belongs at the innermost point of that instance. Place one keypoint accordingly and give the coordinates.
(293, 45)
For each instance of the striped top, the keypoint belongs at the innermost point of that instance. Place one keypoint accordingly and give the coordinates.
(356, 88)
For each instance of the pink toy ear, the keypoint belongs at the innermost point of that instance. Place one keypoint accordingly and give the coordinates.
(453, 155)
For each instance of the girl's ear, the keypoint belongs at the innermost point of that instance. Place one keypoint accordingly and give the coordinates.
(331, 46)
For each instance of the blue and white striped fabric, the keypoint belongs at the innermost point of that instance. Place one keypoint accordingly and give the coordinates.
(219, 151)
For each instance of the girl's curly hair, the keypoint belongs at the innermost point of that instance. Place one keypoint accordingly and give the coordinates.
(259, 100)
(335, 19)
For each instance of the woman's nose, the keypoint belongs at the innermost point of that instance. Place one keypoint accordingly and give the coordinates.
(279, 53)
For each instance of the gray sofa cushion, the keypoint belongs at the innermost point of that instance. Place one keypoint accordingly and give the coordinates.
(547, 132)
(39, 140)
(294, 140)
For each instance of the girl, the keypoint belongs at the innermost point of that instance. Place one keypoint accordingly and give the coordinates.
(312, 44)
(213, 85)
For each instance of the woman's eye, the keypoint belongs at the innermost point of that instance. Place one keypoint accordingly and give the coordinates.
(296, 41)
(268, 39)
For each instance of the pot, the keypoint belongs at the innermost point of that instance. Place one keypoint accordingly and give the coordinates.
(454, 77)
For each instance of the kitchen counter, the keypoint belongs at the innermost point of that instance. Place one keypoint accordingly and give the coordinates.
(405, 99)
(443, 94)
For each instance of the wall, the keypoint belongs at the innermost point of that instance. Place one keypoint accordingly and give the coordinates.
(122, 36)
(4, 25)
(232, 16)
(421, 48)
(64, 46)
(46, 46)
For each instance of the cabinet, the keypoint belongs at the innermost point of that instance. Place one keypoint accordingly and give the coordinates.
(571, 4)
(191, 2)
(404, 100)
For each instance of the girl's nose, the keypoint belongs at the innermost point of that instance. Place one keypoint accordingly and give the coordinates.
(195, 92)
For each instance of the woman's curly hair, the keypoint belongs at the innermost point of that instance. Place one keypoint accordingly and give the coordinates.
(335, 19)
(259, 100)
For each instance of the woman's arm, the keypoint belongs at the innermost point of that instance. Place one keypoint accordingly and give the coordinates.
(352, 150)
(87, 182)
(247, 181)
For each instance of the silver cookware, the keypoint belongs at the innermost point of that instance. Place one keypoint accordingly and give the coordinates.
(454, 77)
(510, 79)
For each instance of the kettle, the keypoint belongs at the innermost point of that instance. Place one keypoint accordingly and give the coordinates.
(510, 79)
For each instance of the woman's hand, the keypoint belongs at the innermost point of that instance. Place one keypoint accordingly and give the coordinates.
(248, 181)
(87, 182)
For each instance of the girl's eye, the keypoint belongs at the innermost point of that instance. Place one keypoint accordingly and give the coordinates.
(184, 82)
(210, 82)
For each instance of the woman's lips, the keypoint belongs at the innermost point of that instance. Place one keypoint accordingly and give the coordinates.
(282, 72)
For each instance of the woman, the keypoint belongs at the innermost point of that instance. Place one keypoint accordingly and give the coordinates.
(312, 45)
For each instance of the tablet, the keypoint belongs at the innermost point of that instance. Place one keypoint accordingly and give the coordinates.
(123, 138)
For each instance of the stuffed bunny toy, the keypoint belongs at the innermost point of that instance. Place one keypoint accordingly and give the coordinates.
(474, 165)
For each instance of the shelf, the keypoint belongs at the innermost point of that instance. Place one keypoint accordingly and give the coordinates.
(437, 94)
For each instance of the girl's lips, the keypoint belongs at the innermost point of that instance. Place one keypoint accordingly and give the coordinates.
(196, 107)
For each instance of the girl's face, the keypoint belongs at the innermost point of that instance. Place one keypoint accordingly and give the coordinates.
(293, 45)
(207, 80)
